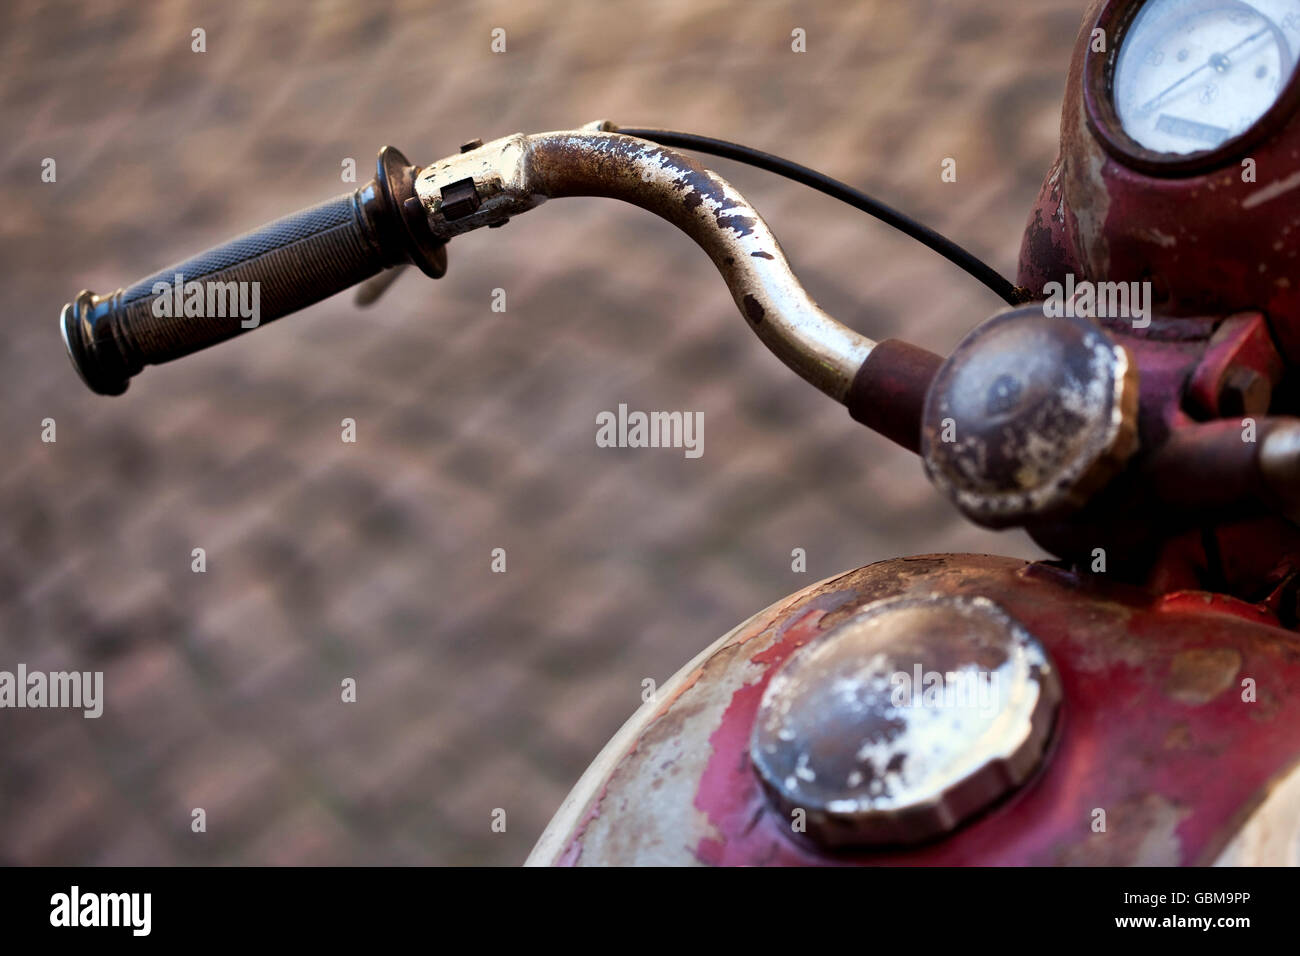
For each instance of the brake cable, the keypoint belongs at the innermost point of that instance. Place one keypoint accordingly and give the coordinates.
(1008, 291)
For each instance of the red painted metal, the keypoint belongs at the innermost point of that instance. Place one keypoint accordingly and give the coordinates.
(1154, 730)
(1219, 246)
(1212, 243)
(1240, 367)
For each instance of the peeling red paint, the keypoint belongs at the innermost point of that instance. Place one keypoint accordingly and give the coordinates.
(1112, 749)
(732, 739)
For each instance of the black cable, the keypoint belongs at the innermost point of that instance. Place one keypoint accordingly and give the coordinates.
(999, 284)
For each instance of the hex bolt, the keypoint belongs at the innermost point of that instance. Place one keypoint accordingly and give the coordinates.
(472, 144)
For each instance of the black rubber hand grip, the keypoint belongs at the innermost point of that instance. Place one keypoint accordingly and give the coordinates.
(257, 278)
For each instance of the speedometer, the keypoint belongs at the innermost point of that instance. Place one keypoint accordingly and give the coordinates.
(1192, 74)
(1189, 78)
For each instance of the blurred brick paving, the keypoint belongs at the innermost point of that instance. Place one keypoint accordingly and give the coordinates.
(476, 429)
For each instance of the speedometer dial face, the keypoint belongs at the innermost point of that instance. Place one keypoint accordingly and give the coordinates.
(1192, 74)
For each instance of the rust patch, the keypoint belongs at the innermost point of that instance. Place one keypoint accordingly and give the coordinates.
(1198, 676)
(1041, 246)
(753, 309)
(1142, 831)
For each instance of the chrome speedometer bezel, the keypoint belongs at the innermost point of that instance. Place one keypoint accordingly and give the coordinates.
(1114, 19)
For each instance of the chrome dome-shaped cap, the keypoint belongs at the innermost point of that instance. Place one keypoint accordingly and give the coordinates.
(905, 720)
(1029, 417)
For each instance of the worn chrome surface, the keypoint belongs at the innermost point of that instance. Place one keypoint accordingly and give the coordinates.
(519, 172)
(501, 172)
(1279, 463)
(1029, 417)
(904, 720)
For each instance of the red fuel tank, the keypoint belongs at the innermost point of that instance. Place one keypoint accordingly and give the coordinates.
(1174, 741)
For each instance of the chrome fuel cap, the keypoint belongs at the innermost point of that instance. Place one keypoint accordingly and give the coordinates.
(904, 720)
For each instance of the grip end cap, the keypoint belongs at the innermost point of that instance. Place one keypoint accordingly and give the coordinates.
(88, 337)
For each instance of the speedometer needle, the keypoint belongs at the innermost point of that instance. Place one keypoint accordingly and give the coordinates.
(1151, 103)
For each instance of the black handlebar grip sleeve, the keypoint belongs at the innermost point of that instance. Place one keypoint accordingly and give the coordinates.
(234, 288)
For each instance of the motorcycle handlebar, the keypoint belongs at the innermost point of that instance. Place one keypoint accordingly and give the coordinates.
(408, 214)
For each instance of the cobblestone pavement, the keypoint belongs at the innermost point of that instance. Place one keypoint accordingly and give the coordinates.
(476, 429)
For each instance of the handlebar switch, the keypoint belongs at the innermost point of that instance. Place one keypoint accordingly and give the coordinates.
(459, 199)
